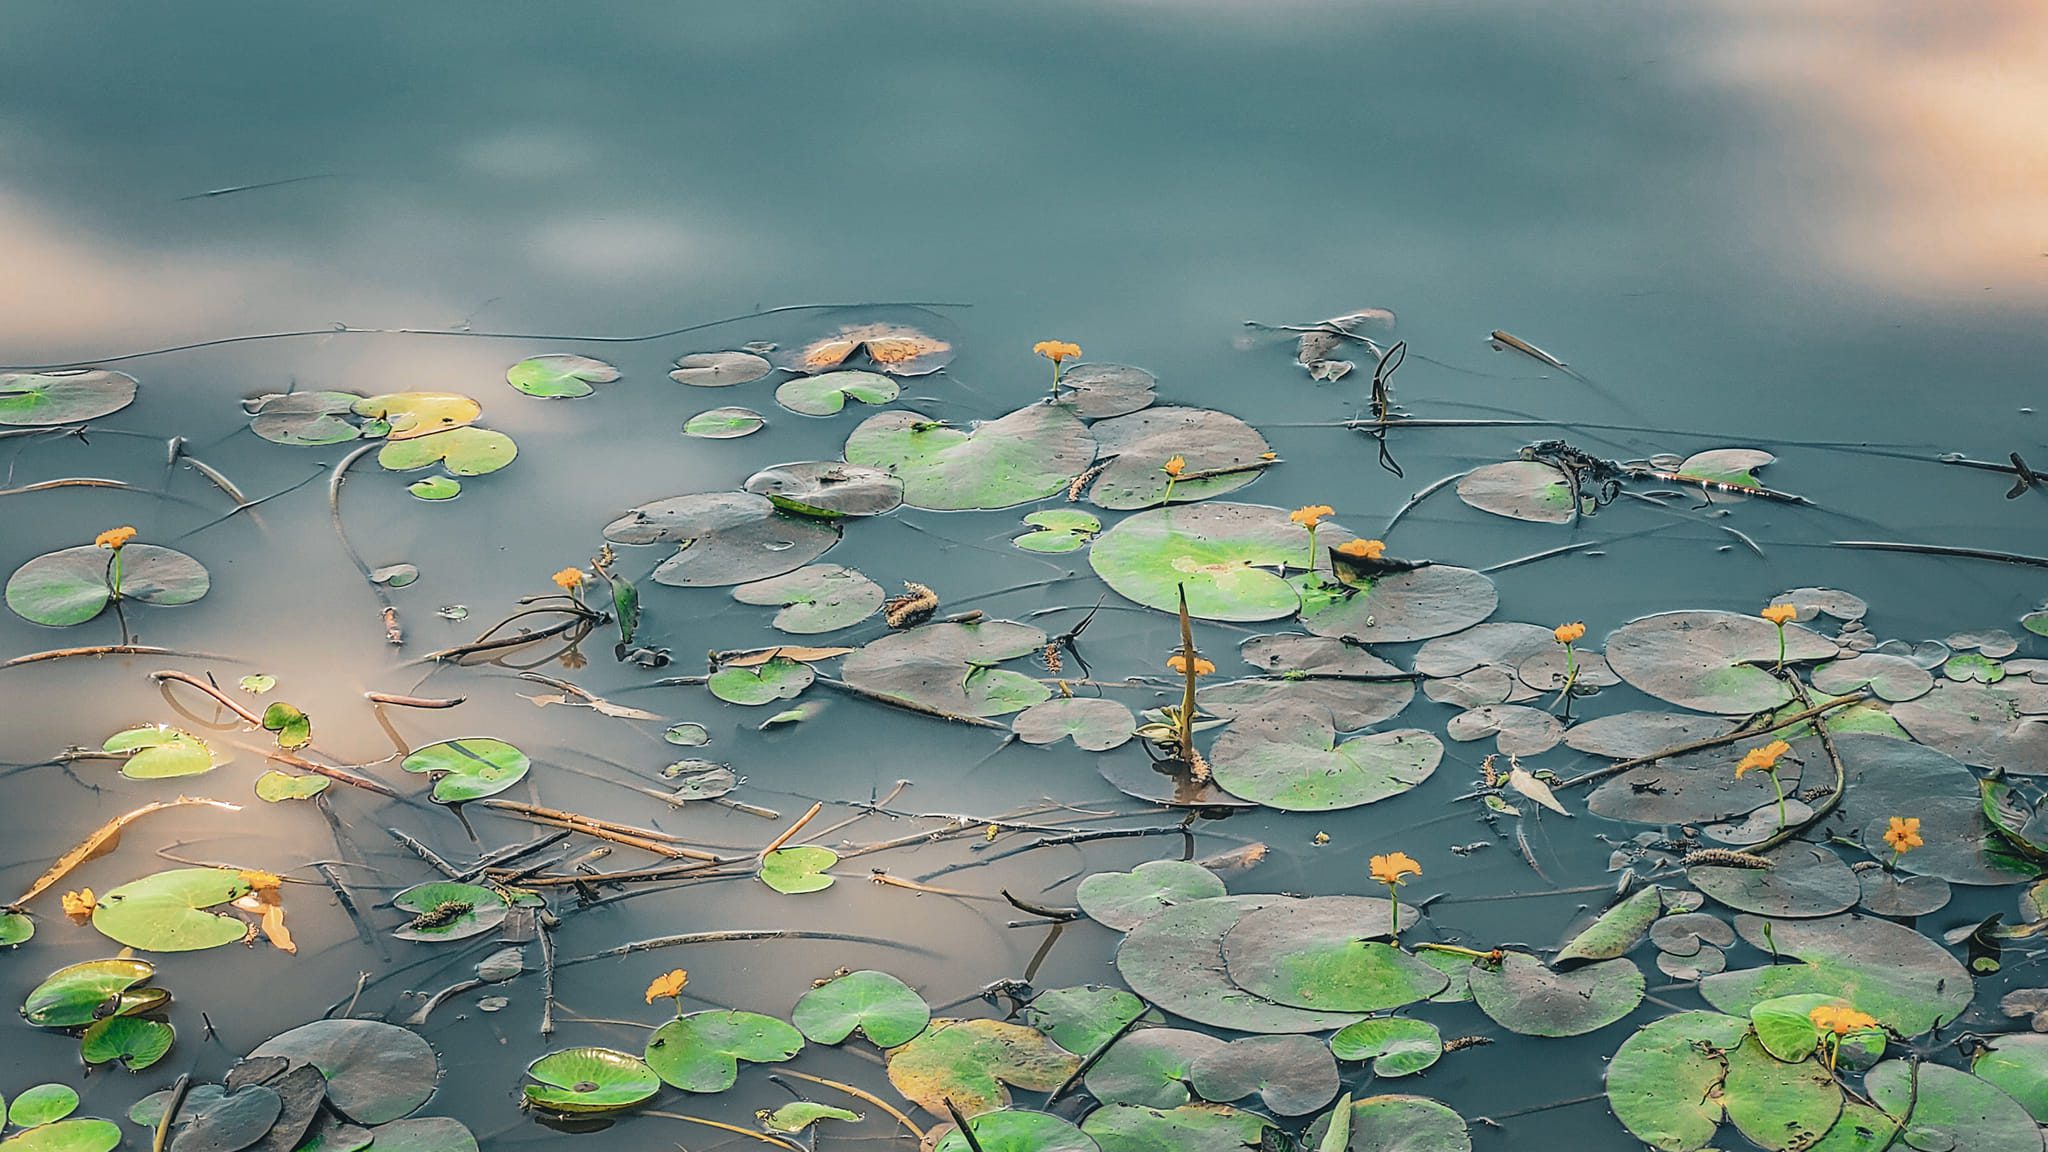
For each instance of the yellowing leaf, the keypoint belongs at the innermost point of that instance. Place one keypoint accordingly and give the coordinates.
(414, 414)
(1520, 779)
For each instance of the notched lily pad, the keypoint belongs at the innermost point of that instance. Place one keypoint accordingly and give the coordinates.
(1139, 445)
(1293, 1075)
(588, 1080)
(468, 769)
(971, 1062)
(1426, 602)
(376, 1072)
(169, 912)
(73, 585)
(1095, 725)
(723, 538)
(701, 1052)
(825, 394)
(1711, 661)
(1910, 983)
(828, 489)
(1289, 757)
(729, 423)
(953, 667)
(1027, 455)
(43, 399)
(1520, 490)
(1522, 995)
(719, 369)
(1322, 953)
(817, 598)
(1174, 959)
(1099, 391)
(1121, 900)
(559, 375)
(880, 1007)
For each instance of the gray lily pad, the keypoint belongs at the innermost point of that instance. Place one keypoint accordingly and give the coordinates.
(559, 375)
(1121, 900)
(1812, 602)
(1436, 600)
(1808, 880)
(1892, 894)
(1886, 778)
(1313, 670)
(1702, 963)
(1547, 671)
(1027, 455)
(1522, 995)
(828, 489)
(826, 393)
(1502, 643)
(1990, 726)
(1095, 725)
(817, 598)
(1151, 1068)
(1520, 490)
(219, 1121)
(701, 1052)
(1890, 677)
(719, 369)
(43, 399)
(952, 666)
(1992, 643)
(1758, 826)
(1910, 983)
(1142, 442)
(1517, 730)
(1399, 1123)
(1698, 786)
(1727, 465)
(376, 1072)
(1288, 757)
(1175, 961)
(586, 1080)
(468, 769)
(72, 585)
(1627, 735)
(727, 423)
(304, 417)
(723, 538)
(1084, 1018)
(1711, 661)
(1661, 1083)
(1685, 933)
(1396, 1045)
(1099, 391)
(1189, 1128)
(1229, 557)
(1293, 1075)
(880, 1007)
(1322, 953)
(423, 1134)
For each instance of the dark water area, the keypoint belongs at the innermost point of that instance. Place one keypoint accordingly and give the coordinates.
(1810, 229)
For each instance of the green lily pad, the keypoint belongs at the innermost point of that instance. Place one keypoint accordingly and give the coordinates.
(1807, 880)
(1012, 1130)
(376, 1072)
(719, 369)
(1027, 455)
(877, 1005)
(1949, 1108)
(277, 786)
(1520, 490)
(466, 451)
(723, 538)
(43, 399)
(160, 752)
(559, 375)
(1150, 1067)
(688, 734)
(1396, 1045)
(729, 423)
(1397, 1123)
(42, 1104)
(215, 1120)
(701, 1052)
(1121, 900)
(1094, 724)
(1293, 1075)
(952, 667)
(422, 1134)
(1321, 953)
(1416, 605)
(792, 871)
(1616, 931)
(582, 1080)
(468, 769)
(970, 1061)
(294, 729)
(81, 1135)
(2018, 1066)
(798, 1115)
(1057, 530)
(135, 1042)
(1085, 1018)
(1174, 959)
(1289, 757)
(1099, 391)
(1711, 661)
(71, 585)
(1886, 778)
(452, 910)
(1189, 1128)
(1230, 558)
(826, 393)
(1522, 995)
(1973, 666)
(1785, 1028)
(167, 912)
(1661, 1083)
(779, 678)
(15, 928)
(72, 996)
(1779, 1106)
(1893, 678)
(1139, 445)
(817, 598)
(436, 488)
(305, 418)
(828, 489)
(1910, 983)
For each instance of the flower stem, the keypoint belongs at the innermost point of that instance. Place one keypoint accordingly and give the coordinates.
(1394, 894)
(1455, 950)
(1781, 647)
(114, 576)
(1780, 790)
(1170, 482)
(1311, 549)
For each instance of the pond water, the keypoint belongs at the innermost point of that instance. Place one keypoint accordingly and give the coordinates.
(1808, 230)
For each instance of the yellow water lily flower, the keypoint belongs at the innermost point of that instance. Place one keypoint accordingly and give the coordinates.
(1364, 549)
(79, 905)
(1394, 868)
(114, 537)
(1569, 633)
(1904, 834)
(668, 986)
(1308, 516)
(1764, 759)
(569, 579)
(1840, 1021)
(1174, 466)
(261, 881)
(1176, 664)
(1056, 350)
(1780, 614)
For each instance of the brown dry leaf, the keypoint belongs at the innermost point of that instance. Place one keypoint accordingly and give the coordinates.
(105, 839)
(1520, 779)
(269, 911)
(887, 345)
(598, 704)
(79, 905)
(798, 652)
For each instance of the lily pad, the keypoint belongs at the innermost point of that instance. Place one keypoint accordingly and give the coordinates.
(167, 912)
(1517, 730)
(1627, 735)
(1522, 995)
(1085, 1018)
(1190, 1128)
(15, 928)
(1289, 758)
(1121, 900)
(1910, 983)
(1973, 666)
(952, 667)
(1617, 930)
(436, 488)
(1338, 674)
(1230, 558)
(218, 1121)
(792, 871)
(1892, 894)
(2018, 1066)
(798, 1115)
(462, 451)
(423, 1134)
(1520, 490)
(1661, 1083)
(1698, 786)
(579, 1080)
(376, 1072)
(777, 679)
(825, 394)
(1988, 725)
(877, 1005)
(1502, 643)
(160, 752)
(1293, 1075)
(1094, 724)
(79, 1135)
(468, 769)
(1807, 880)
(1950, 1109)
(1892, 678)
(1151, 1067)
(277, 786)
(453, 910)
(1711, 661)
(1399, 1123)
(559, 375)
(729, 423)
(72, 585)
(1779, 1106)
(412, 415)
(43, 399)
(1014, 1130)
(306, 418)
(1886, 778)
(1139, 445)
(1436, 600)
(1057, 530)
(294, 728)
(828, 489)
(1321, 953)
(1396, 1045)
(42, 1104)
(723, 538)
(1174, 959)
(72, 996)
(970, 1061)
(719, 369)
(701, 1052)
(1099, 391)
(1027, 455)
(1726, 465)
(135, 1042)
(817, 598)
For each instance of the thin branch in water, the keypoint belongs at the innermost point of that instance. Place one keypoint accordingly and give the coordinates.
(401, 701)
(1943, 550)
(730, 935)
(1419, 497)
(107, 650)
(1741, 733)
